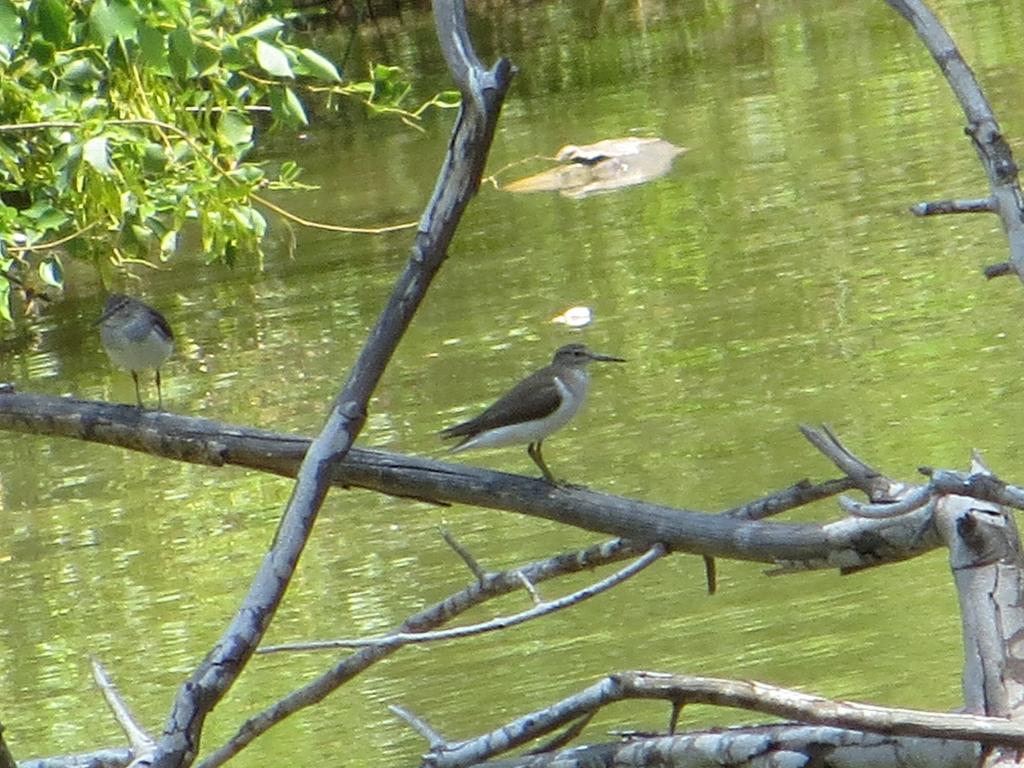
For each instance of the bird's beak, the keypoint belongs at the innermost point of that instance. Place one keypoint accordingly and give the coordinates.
(606, 358)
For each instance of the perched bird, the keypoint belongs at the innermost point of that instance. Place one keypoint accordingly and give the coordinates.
(136, 337)
(534, 408)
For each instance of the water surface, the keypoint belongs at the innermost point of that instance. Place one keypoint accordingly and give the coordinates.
(772, 278)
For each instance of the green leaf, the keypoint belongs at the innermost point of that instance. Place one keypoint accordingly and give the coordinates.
(264, 28)
(5, 300)
(51, 272)
(319, 66)
(44, 215)
(293, 107)
(42, 52)
(154, 158)
(289, 171)
(235, 129)
(382, 73)
(82, 73)
(94, 152)
(142, 235)
(54, 20)
(113, 19)
(273, 60)
(168, 243)
(178, 10)
(448, 99)
(153, 45)
(181, 47)
(10, 24)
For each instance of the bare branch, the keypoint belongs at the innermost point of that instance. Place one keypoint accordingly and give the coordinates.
(465, 554)
(477, 593)
(797, 495)
(914, 499)
(419, 725)
(500, 622)
(101, 758)
(141, 742)
(993, 150)
(561, 739)
(768, 699)
(976, 205)
(457, 182)
(867, 478)
(530, 588)
(203, 441)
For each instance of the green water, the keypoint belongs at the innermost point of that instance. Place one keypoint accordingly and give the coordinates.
(772, 278)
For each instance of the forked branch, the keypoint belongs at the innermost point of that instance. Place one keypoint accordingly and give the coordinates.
(984, 131)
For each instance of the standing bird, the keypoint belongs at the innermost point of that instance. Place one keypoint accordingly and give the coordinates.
(534, 408)
(136, 337)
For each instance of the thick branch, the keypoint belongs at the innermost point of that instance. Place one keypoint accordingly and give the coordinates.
(457, 182)
(844, 544)
(936, 207)
(993, 150)
(768, 699)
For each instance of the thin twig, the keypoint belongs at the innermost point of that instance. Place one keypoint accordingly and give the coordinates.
(530, 588)
(436, 615)
(52, 243)
(141, 742)
(418, 724)
(914, 500)
(212, 163)
(865, 477)
(398, 639)
(561, 739)
(465, 554)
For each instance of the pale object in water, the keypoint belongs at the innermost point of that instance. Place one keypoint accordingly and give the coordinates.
(602, 167)
(575, 317)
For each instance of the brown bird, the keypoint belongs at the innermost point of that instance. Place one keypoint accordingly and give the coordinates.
(534, 408)
(136, 337)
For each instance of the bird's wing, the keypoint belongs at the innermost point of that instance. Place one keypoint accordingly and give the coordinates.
(533, 398)
(162, 323)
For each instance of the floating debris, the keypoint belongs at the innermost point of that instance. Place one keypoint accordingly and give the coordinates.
(575, 317)
(602, 167)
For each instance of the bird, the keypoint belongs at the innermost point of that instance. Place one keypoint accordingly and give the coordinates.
(136, 337)
(534, 408)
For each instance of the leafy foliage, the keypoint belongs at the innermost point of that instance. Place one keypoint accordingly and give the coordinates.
(121, 121)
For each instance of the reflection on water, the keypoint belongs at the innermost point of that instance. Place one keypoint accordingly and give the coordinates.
(771, 279)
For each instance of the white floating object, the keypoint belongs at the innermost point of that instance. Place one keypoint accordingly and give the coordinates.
(575, 317)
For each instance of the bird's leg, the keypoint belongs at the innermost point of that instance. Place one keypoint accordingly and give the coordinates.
(138, 396)
(159, 394)
(534, 450)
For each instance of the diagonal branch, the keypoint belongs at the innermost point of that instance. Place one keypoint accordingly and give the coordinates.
(457, 182)
(983, 129)
(141, 742)
(686, 689)
(398, 639)
(477, 593)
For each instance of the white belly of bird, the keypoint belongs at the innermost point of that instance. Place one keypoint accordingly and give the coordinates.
(139, 355)
(532, 431)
